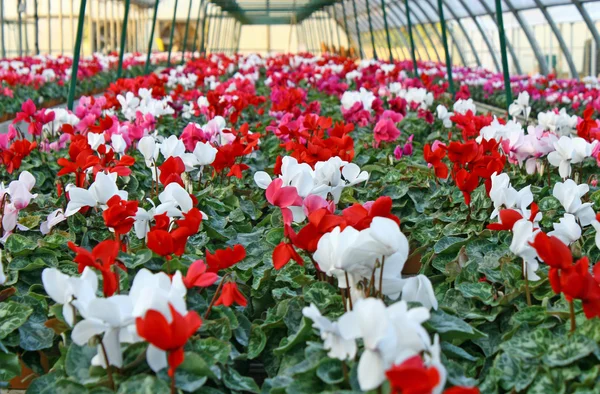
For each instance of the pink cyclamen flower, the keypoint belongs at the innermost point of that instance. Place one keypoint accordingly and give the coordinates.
(385, 130)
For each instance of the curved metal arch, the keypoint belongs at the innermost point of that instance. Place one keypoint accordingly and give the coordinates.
(348, 28)
(458, 45)
(397, 32)
(509, 46)
(361, 53)
(393, 15)
(377, 31)
(345, 24)
(559, 38)
(483, 35)
(399, 15)
(437, 55)
(432, 26)
(535, 47)
(589, 23)
(415, 30)
(464, 31)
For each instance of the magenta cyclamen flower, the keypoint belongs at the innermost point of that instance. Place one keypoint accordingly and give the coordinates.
(385, 130)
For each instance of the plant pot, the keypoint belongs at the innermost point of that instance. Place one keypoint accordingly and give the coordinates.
(413, 265)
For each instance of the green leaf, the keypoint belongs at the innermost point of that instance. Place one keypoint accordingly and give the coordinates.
(234, 381)
(78, 361)
(257, 342)
(567, 349)
(9, 366)
(331, 371)
(528, 344)
(196, 365)
(545, 383)
(296, 338)
(17, 243)
(12, 316)
(451, 327)
(143, 384)
(34, 335)
(275, 236)
(449, 245)
(213, 350)
(219, 328)
(481, 291)
(516, 374)
(136, 260)
(532, 315)
(322, 294)
(64, 386)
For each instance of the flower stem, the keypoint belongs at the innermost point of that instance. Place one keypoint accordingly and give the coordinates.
(111, 382)
(214, 299)
(173, 391)
(572, 313)
(527, 293)
(381, 278)
(348, 289)
(343, 299)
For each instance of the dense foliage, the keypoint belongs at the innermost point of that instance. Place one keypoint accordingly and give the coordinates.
(299, 225)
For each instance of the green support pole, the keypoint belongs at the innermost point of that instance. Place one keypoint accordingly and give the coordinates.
(197, 27)
(337, 30)
(412, 40)
(328, 24)
(230, 29)
(171, 36)
(360, 50)
(147, 66)
(346, 24)
(445, 39)
(222, 33)
(20, 25)
(36, 27)
(323, 29)
(314, 35)
(76, 52)
(371, 29)
(185, 35)
(507, 88)
(239, 34)
(387, 31)
(307, 37)
(227, 36)
(202, 33)
(217, 31)
(2, 29)
(123, 39)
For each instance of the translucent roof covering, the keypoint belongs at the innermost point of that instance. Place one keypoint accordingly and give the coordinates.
(541, 35)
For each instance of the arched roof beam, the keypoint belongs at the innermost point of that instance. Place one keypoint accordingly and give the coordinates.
(457, 43)
(559, 38)
(464, 31)
(589, 23)
(513, 54)
(401, 18)
(530, 37)
(483, 35)
(422, 23)
(415, 31)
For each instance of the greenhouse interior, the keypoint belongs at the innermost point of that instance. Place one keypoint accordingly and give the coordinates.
(211, 196)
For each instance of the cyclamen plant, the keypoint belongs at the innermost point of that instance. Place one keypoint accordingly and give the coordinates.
(301, 224)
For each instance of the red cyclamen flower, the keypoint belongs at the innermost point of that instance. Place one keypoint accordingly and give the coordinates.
(169, 337)
(197, 276)
(230, 294)
(102, 258)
